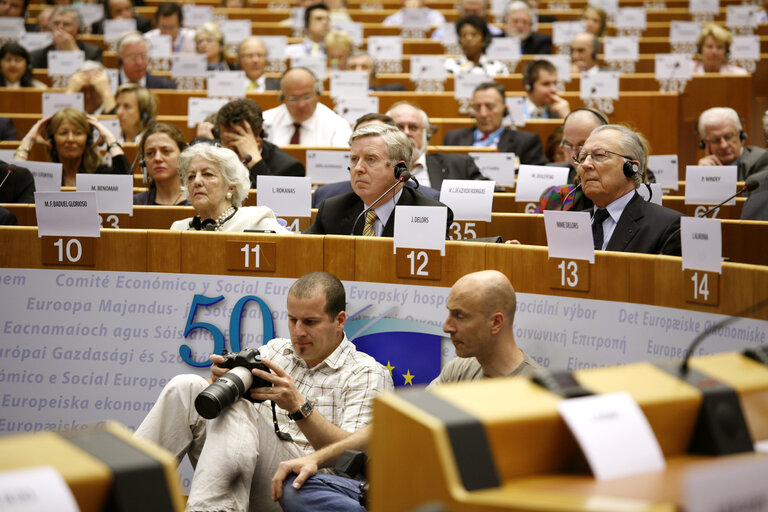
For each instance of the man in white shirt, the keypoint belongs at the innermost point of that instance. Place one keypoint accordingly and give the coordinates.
(169, 20)
(542, 100)
(584, 50)
(317, 24)
(301, 119)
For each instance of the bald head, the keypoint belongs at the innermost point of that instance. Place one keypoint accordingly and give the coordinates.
(576, 129)
(300, 93)
(492, 291)
(584, 48)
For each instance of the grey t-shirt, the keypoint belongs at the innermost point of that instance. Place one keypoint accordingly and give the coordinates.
(468, 368)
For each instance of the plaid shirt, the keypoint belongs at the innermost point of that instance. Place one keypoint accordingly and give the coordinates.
(342, 386)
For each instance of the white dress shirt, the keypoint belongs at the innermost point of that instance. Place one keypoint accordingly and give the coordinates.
(324, 128)
(615, 209)
(383, 212)
(420, 172)
(184, 43)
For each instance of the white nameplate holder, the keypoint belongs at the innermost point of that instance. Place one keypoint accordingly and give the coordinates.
(55, 101)
(276, 52)
(516, 111)
(47, 175)
(571, 249)
(349, 84)
(673, 71)
(610, 7)
(727, 485)
(67, 214)
(114, 192)
(327, 166)
(500, 167)
(35, 40)
(200, 108)
(352, 108)
(189, 70)
(115, 28)
(290, 197)
(62, 65)
(315, 63)
(745, 52)
(664, 167)
(38, 488)
(160, 51)
(631, 21)
(387, 53)
(469, 199)
(196, 15)
(533, 180)
(464, 85)
(506, 50)
(599, 90)
(419, 241)
(622, 53)
(708, 185)
(563, 33)
(613, 434)
(702, 250)
(703, 10)
(227, 84)
(12, 28)
(236, 32)
(741, 19)
(90, 13)
(353, 30)
(428, 73)
(683, 35)
(415, 23)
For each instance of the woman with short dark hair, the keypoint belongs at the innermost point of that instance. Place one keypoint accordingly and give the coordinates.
(15, 70)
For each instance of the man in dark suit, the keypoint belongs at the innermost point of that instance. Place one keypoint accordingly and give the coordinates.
(239, 124)
(18, 184)
(375, 152)
(610, 169)
(252, 58)
(519, 22)
(489, 111)
(66, 24)
(722, 138)
(121, 9)
(756, 206)
(7, 130)
(133, 57)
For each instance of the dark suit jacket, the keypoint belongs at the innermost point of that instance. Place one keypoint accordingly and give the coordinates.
(19, 187)
(536, 44)
(752, 160)
(142, 25)
(337, 214)
(526, 145)
(7, 130)
(645, 227)
(756, 206)
(447, 166)
(275, 161)
(39, 58)
(345, 187)
(153, 82)
(7, 218)
(390, 87)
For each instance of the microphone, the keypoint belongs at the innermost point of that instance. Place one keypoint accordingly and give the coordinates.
(8, 172)
(574, 189)
(750, 184)
(246, 160)
(404, 176)
(135, 159)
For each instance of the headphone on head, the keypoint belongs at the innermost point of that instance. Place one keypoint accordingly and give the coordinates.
(602, 118)
(630, 168)
(527, 82)
(400, 168)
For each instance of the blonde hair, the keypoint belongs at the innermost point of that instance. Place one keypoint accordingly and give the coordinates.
(339, 39)
(720, 34)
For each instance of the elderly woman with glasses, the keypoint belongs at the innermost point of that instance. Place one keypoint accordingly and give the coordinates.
(217, 183)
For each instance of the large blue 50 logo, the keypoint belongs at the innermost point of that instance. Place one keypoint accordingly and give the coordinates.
(234, 326)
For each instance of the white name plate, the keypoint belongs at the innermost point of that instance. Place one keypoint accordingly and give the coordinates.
(64, 63)
(275, 46)
(613, 434)
(236, 30)
(67, 214)
(35, 40)
(427, 67)
(741, 16)
(352, 108)
(664, 167)
(55, 101)
(603, 84)
(569, 235)
(464, 84)
(631, 18)
(196, 15)
(621, 49)
(702, 243)
(315, 63)
(353, 30)
(684, 31)
(710, 184)
(469, 199)
(114, 192)
(504, 48)
(12, 28)
(516, 109)
(91, 13)
(415, 18)
(160, 46)
(47, 175)
(227, 84)
(563, 32)
(745, 48)
(288, 196)
(532, 180)
(200, 108)
(703, 6)
(500, 167)
(31, 489)
(350, 84)
(326, 166)
(188, 65)
(562, 63)
(610, 7)
(385, 47)
(114, 28)
(673, 66)
(420, 227)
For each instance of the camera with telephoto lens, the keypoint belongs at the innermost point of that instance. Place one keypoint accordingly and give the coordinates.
(233, 384)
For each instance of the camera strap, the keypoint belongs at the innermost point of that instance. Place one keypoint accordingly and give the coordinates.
(283, 436)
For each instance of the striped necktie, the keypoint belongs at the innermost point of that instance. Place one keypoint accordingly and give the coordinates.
(370, 218)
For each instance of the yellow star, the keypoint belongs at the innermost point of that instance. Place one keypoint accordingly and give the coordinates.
(390, 368)
(408, 378)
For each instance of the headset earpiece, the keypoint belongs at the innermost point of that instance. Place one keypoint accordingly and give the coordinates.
(743, 135)
(198, 224)
(52, 142)
(400, 168)
(630, 168)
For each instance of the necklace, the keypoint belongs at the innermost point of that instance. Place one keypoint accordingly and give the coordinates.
(224, 217)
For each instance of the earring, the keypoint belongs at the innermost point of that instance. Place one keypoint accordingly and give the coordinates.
(229, 195)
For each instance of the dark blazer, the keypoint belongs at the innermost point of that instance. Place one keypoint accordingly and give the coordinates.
(345, 187)
(752, 160)
(143, 25)
(153, 82)
(337, 214)
(536, 44)
(20, 185)
(390, 87)
(39, 58)
(447, 166)
(756, 206)
(526, 145)
(7, 218)
(7, 130)
(645, 227)
(275, 161)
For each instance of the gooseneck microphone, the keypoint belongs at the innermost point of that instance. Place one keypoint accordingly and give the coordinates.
(749, 185)
(8, 172)
(404, 176)
(569, 194)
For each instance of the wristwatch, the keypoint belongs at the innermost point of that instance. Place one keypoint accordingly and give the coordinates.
(304, 411)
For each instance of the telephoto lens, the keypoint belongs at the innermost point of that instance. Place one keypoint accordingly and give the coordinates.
(223, 393)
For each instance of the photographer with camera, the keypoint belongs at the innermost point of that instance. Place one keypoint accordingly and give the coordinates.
(481, 310)
(322, 386)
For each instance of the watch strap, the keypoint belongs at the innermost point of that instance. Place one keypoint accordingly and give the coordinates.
(304, 411)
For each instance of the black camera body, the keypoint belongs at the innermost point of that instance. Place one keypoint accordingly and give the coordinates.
(234, 384)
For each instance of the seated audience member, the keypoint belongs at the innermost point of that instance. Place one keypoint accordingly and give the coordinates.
(302, 119)
(66, 24)
(712, 50)
(338, 47)
(216, 183)
(252, 58)
(611, 167)
(322, 387)
(160, 147)
(15, 70)
(375, 150)
(594, 19)
(210, 41)
(67, 136)
(481, 312)
(44, 20)
(317, 24)
(338, 11)
(7, 130)
(13, 8)
(519, 24)
(474, 39)
(18, 184)
(133, 58)
(469, 8)
(239, 124)
(136, 110)
(722, 138)
(91, 79)
(584, 50)
(169, 20)
(756, 205)
(361, 61)
(542, 100)
(413, 8)
(121, 10)
(489, 111)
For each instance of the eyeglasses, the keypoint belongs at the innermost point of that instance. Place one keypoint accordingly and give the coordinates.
(570, 147)
(296, 99)
(598, 156)
(717, 140)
